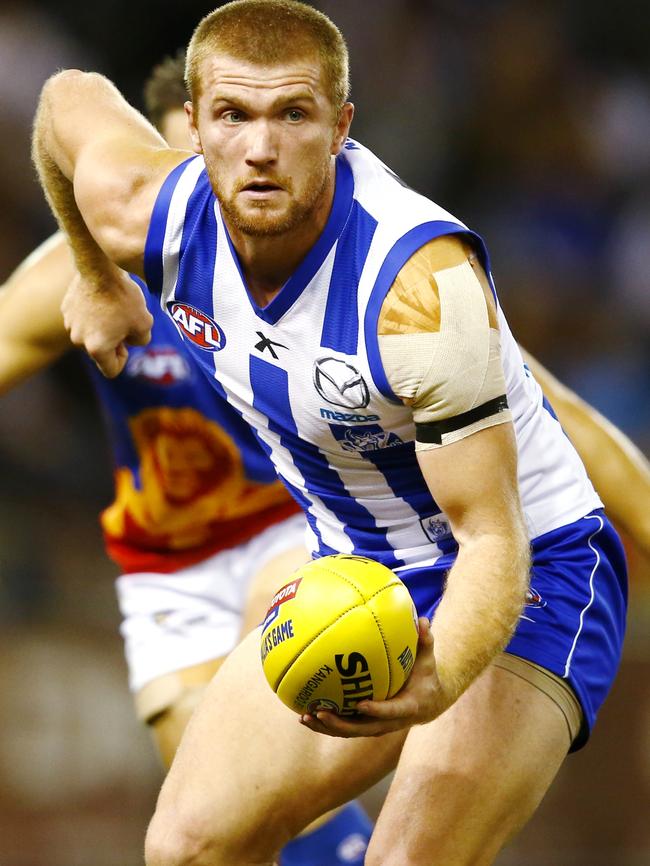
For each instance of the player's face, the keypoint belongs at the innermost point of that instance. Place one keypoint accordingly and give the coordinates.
(268, 134)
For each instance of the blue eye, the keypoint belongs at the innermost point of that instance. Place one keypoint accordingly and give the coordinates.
(294, 115)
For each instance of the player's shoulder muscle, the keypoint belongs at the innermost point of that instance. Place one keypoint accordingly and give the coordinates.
(439, 342)
(412, 304)
(116, 186)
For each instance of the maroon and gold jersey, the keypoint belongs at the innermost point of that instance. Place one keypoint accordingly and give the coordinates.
(190, 476)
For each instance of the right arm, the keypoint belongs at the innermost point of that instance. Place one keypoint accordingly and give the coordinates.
(32, 334)
(101, 165)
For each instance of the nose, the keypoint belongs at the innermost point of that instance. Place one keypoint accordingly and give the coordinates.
(262, 145)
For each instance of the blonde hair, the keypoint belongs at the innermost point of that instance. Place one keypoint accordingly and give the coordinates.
(269, 32)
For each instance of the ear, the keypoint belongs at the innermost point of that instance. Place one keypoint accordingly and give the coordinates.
(194, 131)
(342, 128)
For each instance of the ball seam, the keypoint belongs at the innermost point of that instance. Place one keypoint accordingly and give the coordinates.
(382, 635)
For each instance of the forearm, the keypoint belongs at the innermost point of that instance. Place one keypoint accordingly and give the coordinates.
(18, 362)
(54, 153)
(480, 608)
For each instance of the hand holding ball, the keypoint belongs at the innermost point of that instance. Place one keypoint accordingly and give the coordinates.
(344, 629)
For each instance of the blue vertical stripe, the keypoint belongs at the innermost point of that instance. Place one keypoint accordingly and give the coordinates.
(548, 407)
(270, 386)
(402, 472)
(198, 250)
(341, 322)
(153, 250)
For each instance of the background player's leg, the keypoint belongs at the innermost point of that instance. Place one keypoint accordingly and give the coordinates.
(471, 779)
(167, 726)
(248, 777)
(268, 579)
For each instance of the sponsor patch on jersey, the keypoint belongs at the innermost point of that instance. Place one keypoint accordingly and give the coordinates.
(340, 383)
(368, 438)
(197, 327)
(435, 528)
(285, 593)
(348, 417)
(159, 365)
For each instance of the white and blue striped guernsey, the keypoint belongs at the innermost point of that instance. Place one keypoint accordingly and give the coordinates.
(305, 371)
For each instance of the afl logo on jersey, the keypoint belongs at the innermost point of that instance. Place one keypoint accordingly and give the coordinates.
(340, 383)
(160, 365)
(197, 327)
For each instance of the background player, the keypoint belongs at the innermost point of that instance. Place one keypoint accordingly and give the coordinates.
(493, 536)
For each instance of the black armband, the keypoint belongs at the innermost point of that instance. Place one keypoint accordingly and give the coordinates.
(433, 431)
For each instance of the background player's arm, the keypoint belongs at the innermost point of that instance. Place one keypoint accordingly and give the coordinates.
(101, 165)
(32, 334)
(618, 470)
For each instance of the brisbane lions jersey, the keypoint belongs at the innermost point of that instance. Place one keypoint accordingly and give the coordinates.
(190, 476)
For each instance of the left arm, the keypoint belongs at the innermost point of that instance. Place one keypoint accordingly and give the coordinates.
(475, 483)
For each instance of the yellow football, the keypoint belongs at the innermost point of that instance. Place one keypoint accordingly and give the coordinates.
(342, 630)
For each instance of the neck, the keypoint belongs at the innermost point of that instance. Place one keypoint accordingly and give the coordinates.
(269, 261)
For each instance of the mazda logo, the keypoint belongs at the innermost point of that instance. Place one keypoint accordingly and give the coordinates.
(340, 384)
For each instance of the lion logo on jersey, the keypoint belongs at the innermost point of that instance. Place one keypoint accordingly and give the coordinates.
(340, 383)
(191, 475)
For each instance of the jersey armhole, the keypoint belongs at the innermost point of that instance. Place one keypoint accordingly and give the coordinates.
(153, 249)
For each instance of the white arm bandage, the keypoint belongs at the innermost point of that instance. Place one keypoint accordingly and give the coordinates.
(452, 378)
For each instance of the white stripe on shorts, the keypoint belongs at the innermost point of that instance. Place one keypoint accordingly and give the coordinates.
(591, 588)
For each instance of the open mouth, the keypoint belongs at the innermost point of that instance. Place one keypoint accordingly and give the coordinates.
(261, 186)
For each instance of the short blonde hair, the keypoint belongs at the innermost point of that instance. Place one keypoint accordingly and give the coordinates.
(268, 32)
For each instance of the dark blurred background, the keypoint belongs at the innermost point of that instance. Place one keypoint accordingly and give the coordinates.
(531, 122)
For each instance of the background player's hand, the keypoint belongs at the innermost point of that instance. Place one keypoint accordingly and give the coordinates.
(421, 700)
(103, 318)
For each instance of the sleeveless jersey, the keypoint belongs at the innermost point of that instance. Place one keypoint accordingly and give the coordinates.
(190, 476)
(306, 373)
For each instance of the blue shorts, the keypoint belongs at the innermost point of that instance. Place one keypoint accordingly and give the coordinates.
(574, 619)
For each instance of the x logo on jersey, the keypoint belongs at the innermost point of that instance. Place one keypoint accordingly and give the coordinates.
(265, 343)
